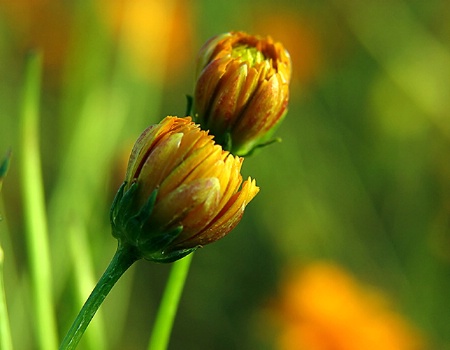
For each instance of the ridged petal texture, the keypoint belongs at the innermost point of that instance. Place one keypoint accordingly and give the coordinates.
(242, 89)
(199, 185)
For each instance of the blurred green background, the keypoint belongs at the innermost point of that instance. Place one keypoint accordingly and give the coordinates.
(361, 179)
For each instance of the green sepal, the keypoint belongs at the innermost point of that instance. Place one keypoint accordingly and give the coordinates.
(170, 257)
(261, 145)
(115, 207)
(189, 104)
(125, 222)
(147, 208)
(134, 226)
(131, 226)
(4, 165)
(227, 143)
(121, 210)
(248, 149)
(157, 242)
(126, 202)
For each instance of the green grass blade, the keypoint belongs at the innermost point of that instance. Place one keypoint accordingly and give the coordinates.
(5, 330)
(34, 207)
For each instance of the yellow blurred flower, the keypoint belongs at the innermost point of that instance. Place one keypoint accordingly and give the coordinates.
(242, 89)
(155, 36)
(322, 307)
(300, 35)
(181, 191)
(39, 24)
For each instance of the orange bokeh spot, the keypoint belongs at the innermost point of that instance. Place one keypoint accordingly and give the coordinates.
(156, 36)
(322, 307)
(299, 37)
(39, 24)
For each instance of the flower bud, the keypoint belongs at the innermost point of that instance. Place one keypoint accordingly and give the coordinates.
(242, 89)
(181, 191)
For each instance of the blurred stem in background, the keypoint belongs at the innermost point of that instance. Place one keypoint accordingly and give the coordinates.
(34, 207)
(5, 330)
(169, 304)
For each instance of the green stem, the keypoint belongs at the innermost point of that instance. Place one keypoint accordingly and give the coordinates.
(169, 304)
(124, 257)
(5, 330)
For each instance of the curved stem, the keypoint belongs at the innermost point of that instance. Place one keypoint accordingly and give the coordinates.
(124, 257)
(169, 304)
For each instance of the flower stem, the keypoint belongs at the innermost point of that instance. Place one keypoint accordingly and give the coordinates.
(124, 257)
(5, 330)
(169, 304)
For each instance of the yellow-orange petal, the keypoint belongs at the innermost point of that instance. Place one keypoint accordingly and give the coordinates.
(207, 83)
(241, 86)
(204, 168)
(159, 163)
(176, 205)
(228, 218)
(180, 174)
(198, 189)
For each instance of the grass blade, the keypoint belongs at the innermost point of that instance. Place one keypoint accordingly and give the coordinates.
(34, 207)
(5, 330)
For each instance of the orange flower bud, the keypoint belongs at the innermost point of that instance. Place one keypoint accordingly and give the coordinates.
(181, 191)
(242, 89)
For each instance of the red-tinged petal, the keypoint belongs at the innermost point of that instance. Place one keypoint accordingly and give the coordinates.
(230, 181)
(257, 118)
(202, 215)
(248, 88)
(205, 140)
(228, 218)
(179, 175)
(237, 202)
(227, 98)
(143, 146)
(209, 50)
(234, 182)
(188, 143)
(207, 84)
(159, 164)
(227, 173)
(196, 184)
(206, 167)
(225, 105)
(175, 206)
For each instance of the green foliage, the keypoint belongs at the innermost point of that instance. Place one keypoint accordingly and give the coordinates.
(362, 177)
